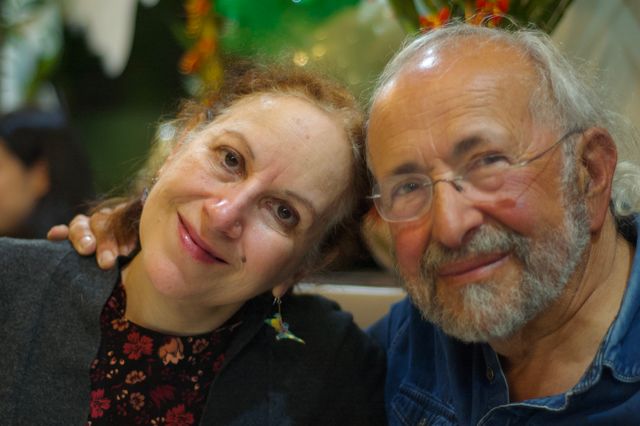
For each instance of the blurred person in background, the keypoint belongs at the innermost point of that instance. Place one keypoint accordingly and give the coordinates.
(44, 174)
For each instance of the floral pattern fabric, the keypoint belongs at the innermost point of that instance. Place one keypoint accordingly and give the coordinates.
(142, 377)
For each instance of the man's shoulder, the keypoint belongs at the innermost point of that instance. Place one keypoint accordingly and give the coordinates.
(394, 324)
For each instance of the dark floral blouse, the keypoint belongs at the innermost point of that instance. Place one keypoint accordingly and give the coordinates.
(142, 377)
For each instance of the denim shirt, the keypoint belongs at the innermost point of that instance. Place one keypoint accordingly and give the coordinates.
(434, 379)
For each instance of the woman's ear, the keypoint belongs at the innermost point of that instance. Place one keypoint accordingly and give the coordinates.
(281, 289)
(598, 154)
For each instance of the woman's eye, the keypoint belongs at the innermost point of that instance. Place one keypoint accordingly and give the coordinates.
(232, 161)
(285, 214)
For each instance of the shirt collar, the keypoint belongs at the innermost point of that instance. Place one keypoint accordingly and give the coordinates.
(620, 350)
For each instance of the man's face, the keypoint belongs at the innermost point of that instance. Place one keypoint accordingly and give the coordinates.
(480, 270)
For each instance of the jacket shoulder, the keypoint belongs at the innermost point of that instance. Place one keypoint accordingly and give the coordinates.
(30, 258)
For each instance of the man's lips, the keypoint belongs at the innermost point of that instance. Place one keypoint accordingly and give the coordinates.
(475, 264)
(194, 245)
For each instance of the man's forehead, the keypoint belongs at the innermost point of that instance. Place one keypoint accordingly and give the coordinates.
(423, 102)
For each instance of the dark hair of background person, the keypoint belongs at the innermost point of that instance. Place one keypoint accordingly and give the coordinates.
(34, 135)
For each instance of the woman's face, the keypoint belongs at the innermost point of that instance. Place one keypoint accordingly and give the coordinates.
(236, 209)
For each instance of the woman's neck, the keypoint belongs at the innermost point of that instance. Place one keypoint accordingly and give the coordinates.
(147, 307)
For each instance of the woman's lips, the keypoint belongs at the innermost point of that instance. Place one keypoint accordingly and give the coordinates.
(474, 268)
(194, 245)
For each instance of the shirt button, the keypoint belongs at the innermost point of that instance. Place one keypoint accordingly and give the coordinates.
(490, 374)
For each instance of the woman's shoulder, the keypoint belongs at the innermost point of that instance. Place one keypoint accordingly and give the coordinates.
(316, 307)
(25, 261)
(322, 318)
(15, 251)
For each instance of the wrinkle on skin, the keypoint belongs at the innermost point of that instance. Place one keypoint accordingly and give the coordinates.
(197, 188)
(423, 115)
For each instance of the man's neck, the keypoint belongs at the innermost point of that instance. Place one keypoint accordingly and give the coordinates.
(552, 352)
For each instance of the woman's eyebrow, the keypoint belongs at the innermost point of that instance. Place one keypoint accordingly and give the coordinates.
(309, 206)
(239, 136)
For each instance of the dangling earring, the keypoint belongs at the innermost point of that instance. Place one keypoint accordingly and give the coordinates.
(145, 191)
(144, 196)
(281, 327)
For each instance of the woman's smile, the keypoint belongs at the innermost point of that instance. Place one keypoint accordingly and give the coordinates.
(194, 245)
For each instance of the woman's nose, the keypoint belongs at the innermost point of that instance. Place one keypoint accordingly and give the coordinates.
(226, 215)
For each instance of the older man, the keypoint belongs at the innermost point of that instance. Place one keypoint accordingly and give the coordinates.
(494, 166)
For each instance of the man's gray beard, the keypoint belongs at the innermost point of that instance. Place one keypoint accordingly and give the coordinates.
(491, 310)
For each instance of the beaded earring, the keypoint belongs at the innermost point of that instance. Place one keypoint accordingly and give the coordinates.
(281, 327)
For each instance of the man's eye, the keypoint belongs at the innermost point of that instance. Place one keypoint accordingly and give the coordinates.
(405, 188)
(489, 160)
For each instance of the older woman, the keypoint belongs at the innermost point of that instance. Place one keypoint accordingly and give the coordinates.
(242, 197)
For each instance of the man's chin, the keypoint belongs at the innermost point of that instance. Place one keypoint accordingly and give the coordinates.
(477, 312)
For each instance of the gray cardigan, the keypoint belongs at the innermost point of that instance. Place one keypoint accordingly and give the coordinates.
(50, 305)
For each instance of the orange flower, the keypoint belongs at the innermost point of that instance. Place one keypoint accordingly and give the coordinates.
(435, 20)
(134, 377)
(200, 345)
(171, 352)
(120, 324)
(492, 9)
(136, 400)
(197, 7)
(190, 62)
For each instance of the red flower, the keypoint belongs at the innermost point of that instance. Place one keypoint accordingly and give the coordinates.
(177, 417)
(217, 364)
(137, 345)
(162, 394)
(98, 403)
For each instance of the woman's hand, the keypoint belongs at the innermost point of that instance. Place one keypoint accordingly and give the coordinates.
(89, 235)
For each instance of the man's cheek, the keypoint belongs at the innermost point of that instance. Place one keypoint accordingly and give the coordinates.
(409, 244)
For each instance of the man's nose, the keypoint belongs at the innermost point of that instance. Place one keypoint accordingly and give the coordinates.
(454, 217)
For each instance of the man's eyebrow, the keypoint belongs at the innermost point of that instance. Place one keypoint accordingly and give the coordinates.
(459, 150)
(465, 145)
(304, 202)
(241, 138)
(406, 168)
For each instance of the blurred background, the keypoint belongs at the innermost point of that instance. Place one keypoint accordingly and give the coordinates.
(115, 67)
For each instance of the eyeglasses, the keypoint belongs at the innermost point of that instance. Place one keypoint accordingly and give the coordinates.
(408, 196)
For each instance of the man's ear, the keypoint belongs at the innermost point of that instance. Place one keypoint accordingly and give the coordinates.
(598, 154)
(39, 179)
